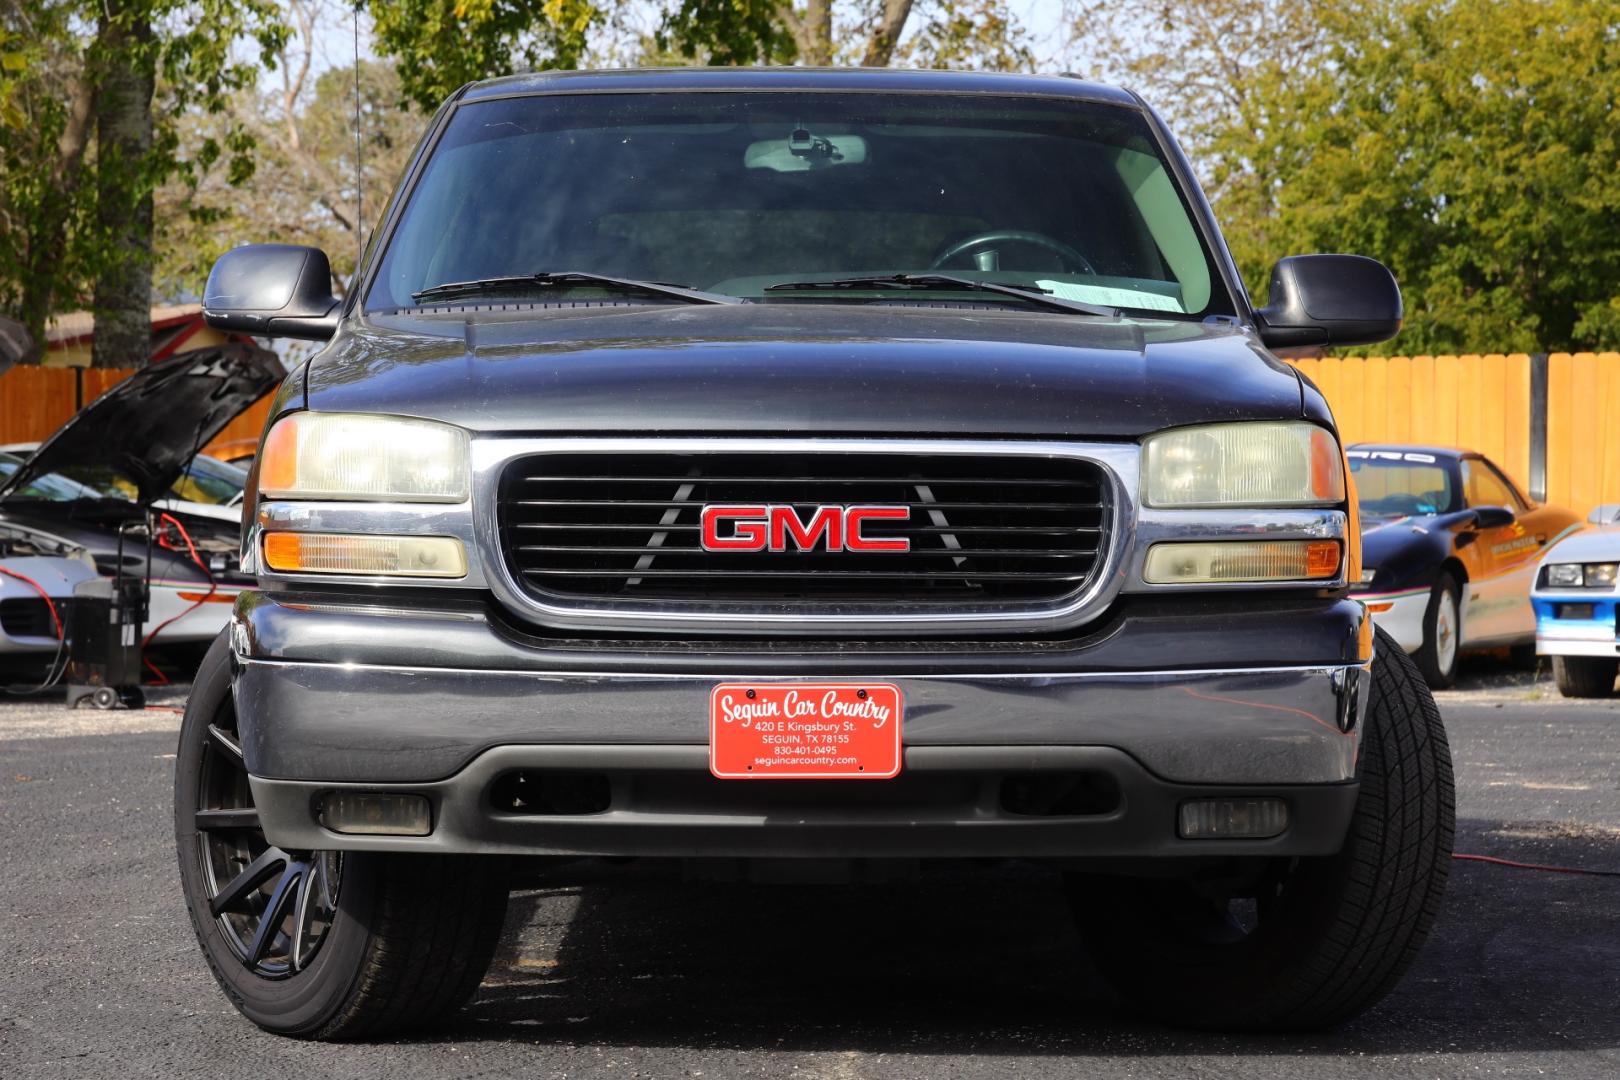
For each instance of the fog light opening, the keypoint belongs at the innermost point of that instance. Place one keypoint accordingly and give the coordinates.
(546, 792)
(1044, 794)
(362, 813)
(1232, 819)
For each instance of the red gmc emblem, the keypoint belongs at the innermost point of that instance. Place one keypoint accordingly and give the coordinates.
(781, 528)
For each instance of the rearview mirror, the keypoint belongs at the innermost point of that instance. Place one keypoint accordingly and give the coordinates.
(277, 290)
(1493, 517)
(802, 152)
(1330, 300)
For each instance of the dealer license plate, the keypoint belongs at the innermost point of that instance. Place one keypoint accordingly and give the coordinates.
(805, 731)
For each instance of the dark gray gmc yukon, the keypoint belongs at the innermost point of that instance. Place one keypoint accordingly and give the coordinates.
(786, 464)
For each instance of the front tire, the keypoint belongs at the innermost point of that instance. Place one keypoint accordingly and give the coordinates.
(318, 945)
(1304, 943)
(1436, 658)
(1585, 676)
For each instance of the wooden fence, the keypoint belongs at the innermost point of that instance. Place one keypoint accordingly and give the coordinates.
(35, 401)
(1552, 421)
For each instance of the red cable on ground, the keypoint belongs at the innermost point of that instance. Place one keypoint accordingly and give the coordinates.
(213, 587)
(1512, 865)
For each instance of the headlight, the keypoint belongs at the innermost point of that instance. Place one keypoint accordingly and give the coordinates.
(1367, 575)
(1583, 575)
(349, 456)
(1253, 464)
(1565, 574)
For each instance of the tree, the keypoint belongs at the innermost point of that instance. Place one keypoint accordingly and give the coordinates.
(303, 190)
(91, 95)
(1470, 144)
(441, 44)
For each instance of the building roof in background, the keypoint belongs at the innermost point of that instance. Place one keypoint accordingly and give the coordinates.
(175, 328)
(78, 327)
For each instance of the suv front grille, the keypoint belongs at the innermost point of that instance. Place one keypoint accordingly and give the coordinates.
(1019, 530)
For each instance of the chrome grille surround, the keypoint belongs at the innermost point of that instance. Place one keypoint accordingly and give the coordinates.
(1114, 465)
(475, 523)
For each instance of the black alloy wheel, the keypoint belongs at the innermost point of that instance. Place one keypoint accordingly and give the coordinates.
(323, 944)
(274, 907)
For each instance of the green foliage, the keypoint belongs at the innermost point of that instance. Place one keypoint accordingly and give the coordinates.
(1470, 144)
(729, 32)
(440, 45)
(303, 188)
(61, 193)
(977, 34)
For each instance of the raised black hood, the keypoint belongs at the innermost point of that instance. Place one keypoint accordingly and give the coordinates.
(789, 368)
(148, 427)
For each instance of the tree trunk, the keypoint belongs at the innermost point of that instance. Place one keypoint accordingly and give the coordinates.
(886, 33)
(123, 289)
(815, 47)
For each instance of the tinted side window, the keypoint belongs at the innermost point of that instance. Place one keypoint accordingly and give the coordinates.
(1483, 486)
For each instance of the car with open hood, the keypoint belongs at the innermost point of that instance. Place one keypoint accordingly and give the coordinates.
(106, 482)
(809, 469)
(1449, 548)
(1576, 595)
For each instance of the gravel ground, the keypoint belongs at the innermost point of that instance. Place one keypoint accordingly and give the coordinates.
(627, 971)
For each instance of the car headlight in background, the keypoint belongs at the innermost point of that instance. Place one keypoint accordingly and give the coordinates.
(355, 456)
(1583, 575)
(1282, 464)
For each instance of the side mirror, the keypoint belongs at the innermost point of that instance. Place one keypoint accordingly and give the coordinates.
(1330, 300)
(1493, 517)
(277, 290)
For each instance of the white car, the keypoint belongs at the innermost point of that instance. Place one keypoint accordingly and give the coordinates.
(132, 450)
(38, 573)
(1576, 595)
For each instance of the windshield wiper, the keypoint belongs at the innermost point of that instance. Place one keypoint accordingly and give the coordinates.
(951, 283)
(563, 279)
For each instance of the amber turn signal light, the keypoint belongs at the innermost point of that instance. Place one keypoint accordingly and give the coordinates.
(338, 553)
(1242, 561)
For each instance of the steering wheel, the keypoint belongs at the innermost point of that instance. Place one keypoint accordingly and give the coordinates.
(985, 240)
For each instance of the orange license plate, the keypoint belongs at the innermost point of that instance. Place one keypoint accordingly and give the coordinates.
(805, 731)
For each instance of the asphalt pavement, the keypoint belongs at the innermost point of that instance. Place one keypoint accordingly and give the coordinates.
(626, 971)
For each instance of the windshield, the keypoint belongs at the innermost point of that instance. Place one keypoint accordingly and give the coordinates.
(206, 480)
(735, 192)
(54, 487)
(209, 480)
(1402, 488)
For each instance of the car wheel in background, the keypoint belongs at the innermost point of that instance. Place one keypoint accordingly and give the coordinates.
(1436, 658)
(1585, 676)
(320, 945)
(1303, 943)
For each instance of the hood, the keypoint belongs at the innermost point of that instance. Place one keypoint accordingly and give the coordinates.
(1594, 543)
(1385, 540)
(149, 426)
(826, 369)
